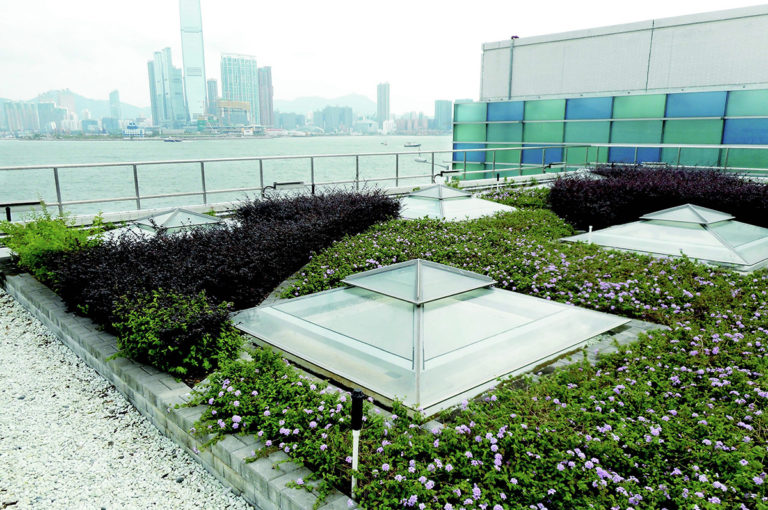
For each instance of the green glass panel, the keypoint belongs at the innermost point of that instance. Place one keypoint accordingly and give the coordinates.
(638, 131)
(588, 132)
(747, 102)
(505, 132)
(471, 167)
(469, 133)
(550, 109)
(746, 158)
(503, 158)
(581, 155)
(469, 112)
(639, 107)
(551, 132)
(692, 132)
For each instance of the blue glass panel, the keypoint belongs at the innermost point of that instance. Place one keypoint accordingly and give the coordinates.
(696, 104)
(627, 155)
(751, 131)
(533, 156)
(505, 110)
(474, 157)
(589, 108)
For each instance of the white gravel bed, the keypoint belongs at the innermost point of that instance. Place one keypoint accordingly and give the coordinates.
(69, 439)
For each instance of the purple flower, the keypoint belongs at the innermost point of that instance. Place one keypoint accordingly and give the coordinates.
(299, 481)
(384, 467)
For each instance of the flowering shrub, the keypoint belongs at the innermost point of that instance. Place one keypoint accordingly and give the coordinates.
(675, 420)
(623, 193)
(181, 335)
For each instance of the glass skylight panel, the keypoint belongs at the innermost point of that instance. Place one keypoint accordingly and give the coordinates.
(444, 202)
(418, 281)
(700, 233)
(689, 214)
(175, 220)
(440, 191)
(428, 353)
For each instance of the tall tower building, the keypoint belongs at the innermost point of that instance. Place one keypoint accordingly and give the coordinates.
(266, 108)
(382, 103)
(213, 96)
(240, 82)
(114, 105)
(193, 57)
(166, 91)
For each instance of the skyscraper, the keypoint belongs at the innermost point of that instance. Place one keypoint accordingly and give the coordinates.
(166, 91)
(382, 103)
(266, 108)
(193, 57)
(213, 96)
(114, 105)
(443, 115)
(240, 82)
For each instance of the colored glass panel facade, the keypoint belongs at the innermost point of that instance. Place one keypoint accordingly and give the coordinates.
(737, 117)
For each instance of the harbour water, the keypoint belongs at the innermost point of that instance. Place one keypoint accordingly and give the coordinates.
(114, 182)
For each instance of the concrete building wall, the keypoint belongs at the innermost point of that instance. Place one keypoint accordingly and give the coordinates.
(718, 50)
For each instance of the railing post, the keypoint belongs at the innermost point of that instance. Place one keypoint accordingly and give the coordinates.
(58, 190)
(465, 164)
(494, 160)
(136, 187)
(357, 172)
(432, 176)
(543, 160)
(520, 162)
(725, 165)
(636, 148)
(261, 174)
(565, 158)
(679, 150)
(312, 173)
(397, 170)
(597, 155)
(202, 177)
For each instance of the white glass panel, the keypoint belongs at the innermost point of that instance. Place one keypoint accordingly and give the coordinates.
(362, 316)
(437, 283)
(414, 208)
(439, 191)
(688, 213)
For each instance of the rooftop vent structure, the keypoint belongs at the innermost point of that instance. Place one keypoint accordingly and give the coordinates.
(425, 333)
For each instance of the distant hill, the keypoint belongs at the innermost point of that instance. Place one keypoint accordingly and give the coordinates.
(98, 107)
(360, 104)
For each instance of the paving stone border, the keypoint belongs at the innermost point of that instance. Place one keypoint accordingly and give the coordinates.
(155, 394)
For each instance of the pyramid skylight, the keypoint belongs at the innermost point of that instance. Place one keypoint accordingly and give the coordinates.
(707, 235)
(176, 220)
(443, 202)
(422, 332)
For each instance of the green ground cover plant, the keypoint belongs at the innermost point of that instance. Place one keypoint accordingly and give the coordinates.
(183, 335)
(37, 241)
(530, 198)
(675, 420)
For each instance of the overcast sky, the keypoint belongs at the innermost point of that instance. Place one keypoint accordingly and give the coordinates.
(426, 50)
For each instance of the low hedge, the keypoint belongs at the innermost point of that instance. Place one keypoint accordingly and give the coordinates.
(614, 194)
(238, 263)
(182, 335)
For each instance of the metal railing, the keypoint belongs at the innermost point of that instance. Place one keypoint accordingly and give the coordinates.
(461, 160)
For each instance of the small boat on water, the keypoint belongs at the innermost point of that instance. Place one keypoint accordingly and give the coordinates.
(411, 144)
(171, 139)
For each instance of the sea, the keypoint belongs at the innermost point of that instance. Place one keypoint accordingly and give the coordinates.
(84, 183)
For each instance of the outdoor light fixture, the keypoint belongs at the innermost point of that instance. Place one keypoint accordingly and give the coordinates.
(357, 424)
(279, 186)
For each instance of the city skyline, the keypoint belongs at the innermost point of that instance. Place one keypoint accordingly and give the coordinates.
(96, 47)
